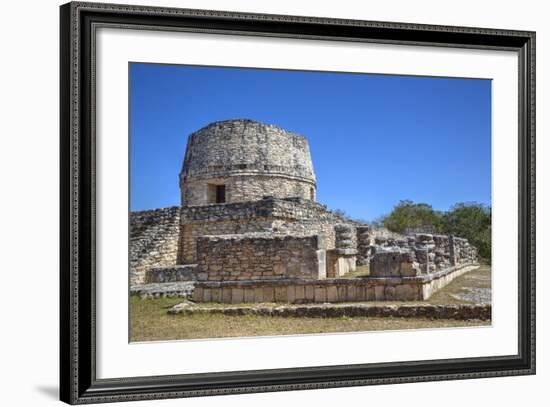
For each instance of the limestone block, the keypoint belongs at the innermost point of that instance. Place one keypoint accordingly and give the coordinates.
(216, 294)
(370, 291)
(291, 294)
(310, 293)
(269, 294)
(249, 295)
(389, 293)
(361, 293)
(237, 295)
(281, 294)
(259, 294)
(197, 294)
(332, 294)
(226, 295)
(410, 269)
(352, 293)
(404, 292)
(342, 293)
(379, 293)
(320, 294)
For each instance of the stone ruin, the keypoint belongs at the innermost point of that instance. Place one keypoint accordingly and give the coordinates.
(249, 229)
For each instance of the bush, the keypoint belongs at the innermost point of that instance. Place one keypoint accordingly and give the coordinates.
(409, 214)
(472, 221)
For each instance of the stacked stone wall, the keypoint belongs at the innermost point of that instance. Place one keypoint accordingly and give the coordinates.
(363, 237)
(252, 159)
(260, 256)
(245, 188)
(171, 274)
(420, 254)
(191, 232)
(154, 237)
(292, 216)
(268, 206)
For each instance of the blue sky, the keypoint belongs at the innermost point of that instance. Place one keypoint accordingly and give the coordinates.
(374, 139)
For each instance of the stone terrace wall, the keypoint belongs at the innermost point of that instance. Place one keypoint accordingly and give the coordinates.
(287, 208)
(190, 233)
(154, 238)
(260, 256)
(333, 290)
(290, 216)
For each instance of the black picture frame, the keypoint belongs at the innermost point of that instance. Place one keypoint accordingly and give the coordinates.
(78, 382)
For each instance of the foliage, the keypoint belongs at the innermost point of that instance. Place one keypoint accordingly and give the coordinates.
(342, 214)
(409, 214)
(472, 221)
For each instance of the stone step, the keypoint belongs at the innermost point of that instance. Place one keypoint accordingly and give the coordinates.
(459, 312)
(183, 289)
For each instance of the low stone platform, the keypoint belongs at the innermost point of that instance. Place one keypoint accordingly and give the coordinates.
(333, 290)
(171, 274)
(459, 312)
(183, 289)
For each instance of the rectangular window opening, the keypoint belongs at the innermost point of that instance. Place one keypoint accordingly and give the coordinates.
(220, 193)
(216, 193)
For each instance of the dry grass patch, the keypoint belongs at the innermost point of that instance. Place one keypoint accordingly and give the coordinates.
(479, 278)
(360, 271)
(149, 322)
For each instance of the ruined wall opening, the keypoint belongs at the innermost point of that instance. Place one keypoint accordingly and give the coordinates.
(216, 193)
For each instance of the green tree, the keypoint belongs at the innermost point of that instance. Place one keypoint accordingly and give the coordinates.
(472, 221)
(409, 214)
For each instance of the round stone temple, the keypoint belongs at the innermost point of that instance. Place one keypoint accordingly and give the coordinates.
(244, 160)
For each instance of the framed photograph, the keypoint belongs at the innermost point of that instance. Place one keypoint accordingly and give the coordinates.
(255, 203)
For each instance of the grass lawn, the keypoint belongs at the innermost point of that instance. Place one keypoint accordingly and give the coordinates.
(149, 320)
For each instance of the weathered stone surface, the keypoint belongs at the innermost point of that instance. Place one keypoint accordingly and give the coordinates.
(332, 294)
(154, 290)
(168, 274)
(216, 294)
(320, 294)
(269, 294)
(458, 312)
(154, 241)
(260, 255)
(405, 292)
(251, 159)
(424, 254)
(363, 244)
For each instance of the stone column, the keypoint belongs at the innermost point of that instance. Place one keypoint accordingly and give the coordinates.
(363, 245)
(343, 236)
(452, 250)
(425, 252)
(344, 254)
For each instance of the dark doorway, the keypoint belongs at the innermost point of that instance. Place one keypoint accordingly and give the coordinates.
(220, 193)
